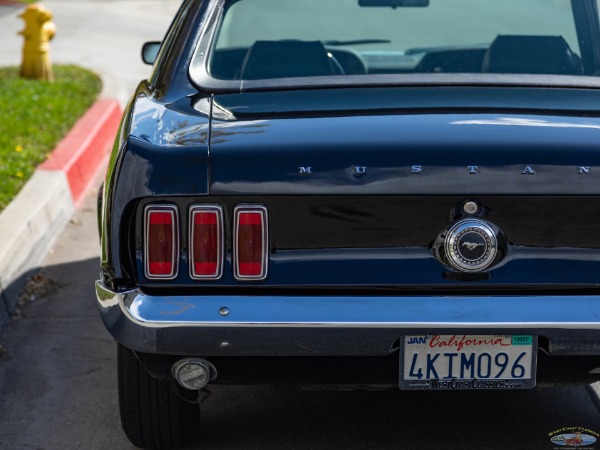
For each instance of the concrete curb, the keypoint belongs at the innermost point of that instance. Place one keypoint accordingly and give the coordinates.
(32, 221)
(83, 150)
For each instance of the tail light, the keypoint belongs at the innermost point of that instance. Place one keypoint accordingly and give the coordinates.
(250, 242)
(161, 242)
(206, 242)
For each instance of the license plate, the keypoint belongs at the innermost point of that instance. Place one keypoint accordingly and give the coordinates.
(462, 362)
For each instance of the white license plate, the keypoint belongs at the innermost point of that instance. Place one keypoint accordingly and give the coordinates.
(455, 362)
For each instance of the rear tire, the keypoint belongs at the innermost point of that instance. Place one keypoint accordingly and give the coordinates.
(153, 415)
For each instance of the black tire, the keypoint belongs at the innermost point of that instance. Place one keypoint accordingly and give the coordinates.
(153, 416)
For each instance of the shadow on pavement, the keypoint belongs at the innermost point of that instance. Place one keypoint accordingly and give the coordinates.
(57, 378)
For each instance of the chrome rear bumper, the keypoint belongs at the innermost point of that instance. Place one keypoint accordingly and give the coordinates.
(336, 325)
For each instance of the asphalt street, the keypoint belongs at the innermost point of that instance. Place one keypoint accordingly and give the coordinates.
(58, 364)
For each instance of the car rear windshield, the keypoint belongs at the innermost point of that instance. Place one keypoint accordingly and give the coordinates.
(271, 39)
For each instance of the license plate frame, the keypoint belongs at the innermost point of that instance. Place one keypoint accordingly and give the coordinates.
(518, 342)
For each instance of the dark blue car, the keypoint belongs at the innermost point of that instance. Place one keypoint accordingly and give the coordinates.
(355, 193)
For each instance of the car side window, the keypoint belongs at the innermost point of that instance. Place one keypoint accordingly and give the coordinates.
(168, 41)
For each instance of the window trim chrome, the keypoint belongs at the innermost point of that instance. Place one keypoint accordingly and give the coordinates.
(199, 73)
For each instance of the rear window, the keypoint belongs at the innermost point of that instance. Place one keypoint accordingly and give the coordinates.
(271, 39)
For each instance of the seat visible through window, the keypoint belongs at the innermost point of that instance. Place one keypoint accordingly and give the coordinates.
(531, 54)
(286, 58)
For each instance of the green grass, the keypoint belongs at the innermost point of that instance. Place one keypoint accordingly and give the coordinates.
(34, 116)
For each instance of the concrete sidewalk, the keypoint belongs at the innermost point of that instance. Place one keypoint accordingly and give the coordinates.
(30, 224)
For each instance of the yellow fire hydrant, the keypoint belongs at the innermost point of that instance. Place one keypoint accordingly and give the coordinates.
(39, 30)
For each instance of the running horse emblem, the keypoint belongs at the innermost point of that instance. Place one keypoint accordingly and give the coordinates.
(471, 245)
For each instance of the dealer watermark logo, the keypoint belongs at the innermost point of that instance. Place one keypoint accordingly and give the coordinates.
(574, 437)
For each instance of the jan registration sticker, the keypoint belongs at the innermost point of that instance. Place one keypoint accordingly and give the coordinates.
(467, 362)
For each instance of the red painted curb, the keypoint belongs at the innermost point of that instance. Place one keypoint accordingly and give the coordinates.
(84, 148)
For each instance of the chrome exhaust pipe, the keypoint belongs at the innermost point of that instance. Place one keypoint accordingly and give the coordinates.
(193, 373)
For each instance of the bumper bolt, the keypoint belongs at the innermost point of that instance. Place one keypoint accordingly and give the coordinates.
(471, 208)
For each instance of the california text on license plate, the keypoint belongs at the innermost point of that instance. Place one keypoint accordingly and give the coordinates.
(456, 361)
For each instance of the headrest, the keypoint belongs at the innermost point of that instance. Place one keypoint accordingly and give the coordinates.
(531, 54)
(287, 58)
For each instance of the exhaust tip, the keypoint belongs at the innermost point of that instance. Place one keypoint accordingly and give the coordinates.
(193, 373)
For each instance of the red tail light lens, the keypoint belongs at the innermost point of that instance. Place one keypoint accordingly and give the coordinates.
(206, 242)
(161, 242)
(250, 243)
